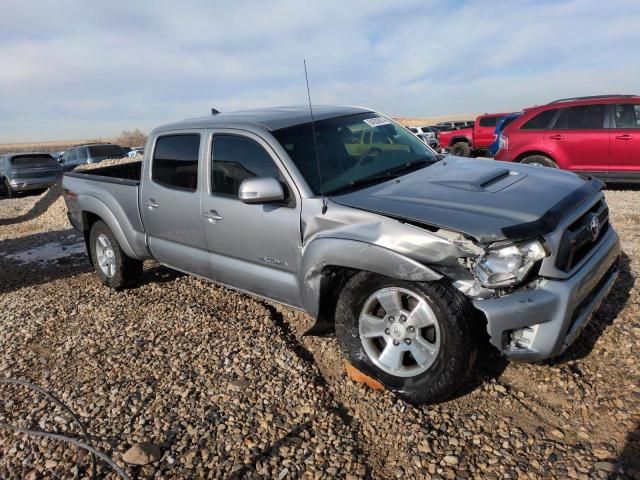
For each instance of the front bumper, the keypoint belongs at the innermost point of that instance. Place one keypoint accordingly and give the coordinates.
(24, 184)
(542, 321)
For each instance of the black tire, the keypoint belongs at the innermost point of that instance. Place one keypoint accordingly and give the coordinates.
(127, 270)
(540, 160)
(8, 191)
(459, 337)
(461, 149)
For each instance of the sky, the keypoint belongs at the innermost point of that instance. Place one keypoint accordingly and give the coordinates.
(75, 69)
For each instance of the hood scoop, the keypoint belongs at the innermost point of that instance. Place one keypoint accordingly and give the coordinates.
(493, 181)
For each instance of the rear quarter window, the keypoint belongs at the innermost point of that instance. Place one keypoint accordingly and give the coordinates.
(540, 121)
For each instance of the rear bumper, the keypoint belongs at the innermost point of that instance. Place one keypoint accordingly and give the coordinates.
(541, 322)
(24, 184)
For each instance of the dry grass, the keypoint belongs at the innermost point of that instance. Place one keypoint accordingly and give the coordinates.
(421, 121)
(50, 146)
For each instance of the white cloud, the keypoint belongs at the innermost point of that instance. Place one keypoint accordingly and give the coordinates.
(74, 69)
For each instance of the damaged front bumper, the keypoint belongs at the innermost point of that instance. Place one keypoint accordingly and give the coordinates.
(542, 321)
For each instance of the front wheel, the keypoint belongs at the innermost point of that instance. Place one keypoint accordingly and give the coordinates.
(112, 265)
(417, 339)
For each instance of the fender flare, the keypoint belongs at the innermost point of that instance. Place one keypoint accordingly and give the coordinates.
(461, 138)
(93, 205)
(338, 252)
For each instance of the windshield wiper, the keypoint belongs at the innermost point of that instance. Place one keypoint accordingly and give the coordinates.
(381, 176)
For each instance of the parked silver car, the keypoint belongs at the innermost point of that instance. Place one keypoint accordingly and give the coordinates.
(411, 258)
(20, 172)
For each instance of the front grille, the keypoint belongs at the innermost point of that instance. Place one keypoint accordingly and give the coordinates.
(589, 298)
(579, 239)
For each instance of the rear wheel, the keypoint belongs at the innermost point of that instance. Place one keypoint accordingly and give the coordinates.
(112, 265)
(461, 149)
(539, 160)
(417, 339)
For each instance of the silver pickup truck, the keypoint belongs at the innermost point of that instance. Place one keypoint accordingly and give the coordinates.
(411, 258)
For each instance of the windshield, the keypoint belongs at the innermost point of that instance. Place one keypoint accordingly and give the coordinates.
(106, 151)
(34, 160)
(353, 151)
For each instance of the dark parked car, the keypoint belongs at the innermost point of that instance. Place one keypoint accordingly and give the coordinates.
(93, 153)
(28, 171)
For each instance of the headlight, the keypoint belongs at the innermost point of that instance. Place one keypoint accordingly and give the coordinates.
(509, 265)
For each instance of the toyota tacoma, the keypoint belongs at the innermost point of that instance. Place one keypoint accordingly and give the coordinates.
(412, 258)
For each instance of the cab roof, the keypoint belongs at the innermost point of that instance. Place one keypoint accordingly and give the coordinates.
(270, 119)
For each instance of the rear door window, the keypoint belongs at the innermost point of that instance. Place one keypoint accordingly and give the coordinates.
(175, 161)
(583, 117)
(540, 121)
(627, 115)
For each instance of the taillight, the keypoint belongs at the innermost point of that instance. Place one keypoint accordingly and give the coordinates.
(68, 194)
(503, 143)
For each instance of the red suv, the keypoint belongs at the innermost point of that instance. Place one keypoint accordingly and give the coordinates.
(597, 135)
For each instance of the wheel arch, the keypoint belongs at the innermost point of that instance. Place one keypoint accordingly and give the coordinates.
(460, 138)
(529, 153)
(94, 210)
(328, 263)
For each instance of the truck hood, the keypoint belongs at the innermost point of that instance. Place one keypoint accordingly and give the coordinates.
(488, 200)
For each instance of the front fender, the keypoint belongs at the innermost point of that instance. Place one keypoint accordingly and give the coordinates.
(327, 252)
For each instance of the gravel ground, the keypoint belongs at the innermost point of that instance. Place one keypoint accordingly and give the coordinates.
(228, 387)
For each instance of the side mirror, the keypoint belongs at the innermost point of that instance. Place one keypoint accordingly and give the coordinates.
(260, 190)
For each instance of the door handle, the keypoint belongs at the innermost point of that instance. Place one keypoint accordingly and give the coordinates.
(212, 216)
(151, 204)
(624, 137)
(556, 137)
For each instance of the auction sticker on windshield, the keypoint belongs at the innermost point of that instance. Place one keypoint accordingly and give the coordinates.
(376, 121)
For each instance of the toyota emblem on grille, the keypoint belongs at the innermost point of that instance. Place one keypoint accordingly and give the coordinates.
(594, 227)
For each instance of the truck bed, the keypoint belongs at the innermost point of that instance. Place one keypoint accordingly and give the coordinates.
(111, 193)
(124, 174)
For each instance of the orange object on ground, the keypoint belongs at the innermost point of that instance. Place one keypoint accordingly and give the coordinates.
(360, 377)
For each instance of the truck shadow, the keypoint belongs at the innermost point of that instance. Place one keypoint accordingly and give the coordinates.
(629, 459)
(605, 316)
(49, 256)
(41, 206)
(41, 258)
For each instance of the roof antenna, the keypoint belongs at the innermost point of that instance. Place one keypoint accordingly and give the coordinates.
(315, 143)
